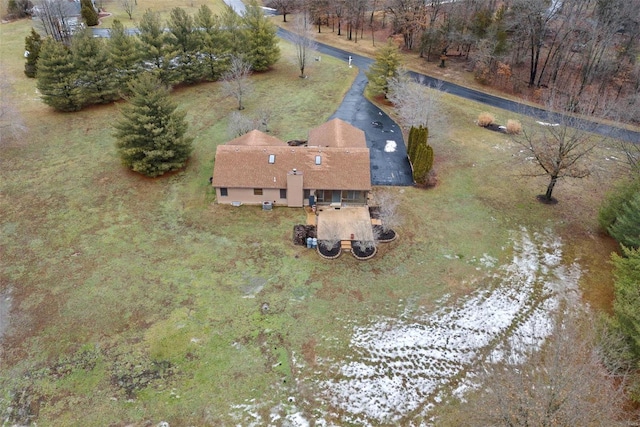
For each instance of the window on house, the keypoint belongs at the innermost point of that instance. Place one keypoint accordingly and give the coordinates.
(283, 193)
(318, 160)
(352, 196)
(257, 191)
(224, 192)
(306, 194)
(272, 158)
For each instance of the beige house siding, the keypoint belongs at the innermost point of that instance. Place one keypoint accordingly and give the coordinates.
(246, 196)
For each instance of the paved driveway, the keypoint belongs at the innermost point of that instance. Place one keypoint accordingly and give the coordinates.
(389, 163)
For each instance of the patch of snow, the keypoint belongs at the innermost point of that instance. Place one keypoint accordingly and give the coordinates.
(548, 124)
(390, 147)
(399, 367)
(296, 420)
(488, 261)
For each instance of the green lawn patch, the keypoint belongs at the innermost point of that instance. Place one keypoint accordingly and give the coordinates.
(165, 291)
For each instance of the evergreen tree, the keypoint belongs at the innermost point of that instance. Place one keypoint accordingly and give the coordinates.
(184, 40)
(626, 228)
(89, 13)
(124, 54)
(156, 52)
(32, 45)
(234, 35)
(612, 207)
(626, 305)
(420, 164)
(385, 67)
(96, 78)
(150, 135)
(262, 43)
(212, 45)
(411, 143)
(417, 136)
(19, 8)
(429, 159)
(57, 77)
(420, 154)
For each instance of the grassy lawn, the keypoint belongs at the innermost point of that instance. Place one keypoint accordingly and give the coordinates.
(138, 300)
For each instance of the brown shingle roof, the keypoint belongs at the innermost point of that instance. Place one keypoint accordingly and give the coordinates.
(249, 167)
(337, 133)
(256, 138)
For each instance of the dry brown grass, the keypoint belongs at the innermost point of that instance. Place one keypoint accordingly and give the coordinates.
(514, 127)
(486, 119)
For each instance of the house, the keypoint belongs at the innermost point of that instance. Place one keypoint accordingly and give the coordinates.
(332, 169)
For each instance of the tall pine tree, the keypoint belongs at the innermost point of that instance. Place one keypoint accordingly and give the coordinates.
(156, 52)
(96, 79)
(626, 228)
(57, 76)
(384, 68)
(150, 135)
(626, 306)
(262, 42)
(211, 42)
(124, 53)
(234, 40)
(184, 39)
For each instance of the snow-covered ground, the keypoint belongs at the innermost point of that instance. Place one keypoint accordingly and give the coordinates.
(399, 368)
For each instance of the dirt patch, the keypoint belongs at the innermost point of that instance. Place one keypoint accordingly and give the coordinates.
(309, 351)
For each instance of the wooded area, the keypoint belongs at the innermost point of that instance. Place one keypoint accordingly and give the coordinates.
(584, 51)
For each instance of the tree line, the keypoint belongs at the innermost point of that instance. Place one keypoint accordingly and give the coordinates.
(619, 216)
(186, 49)
(585, 50)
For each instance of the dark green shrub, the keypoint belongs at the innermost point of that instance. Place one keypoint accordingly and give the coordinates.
(626, 228)
(88, 13)
(32, 45)
(613, 205)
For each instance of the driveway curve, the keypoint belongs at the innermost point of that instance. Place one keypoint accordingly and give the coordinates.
(494, 101)
(387, 151)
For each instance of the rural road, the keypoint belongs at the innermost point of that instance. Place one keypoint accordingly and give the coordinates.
(363, 63)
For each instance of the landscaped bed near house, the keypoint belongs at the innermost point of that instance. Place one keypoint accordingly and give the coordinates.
(135, 301)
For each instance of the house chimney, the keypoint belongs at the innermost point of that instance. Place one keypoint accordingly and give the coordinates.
(294, 171)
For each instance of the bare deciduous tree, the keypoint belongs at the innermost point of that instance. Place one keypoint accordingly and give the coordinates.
(285, 7)
(365, 244)
(235, 81)
(128, 6)
(55, 19)
(302, 39)
(414, 104)
(558, 147)
(330, 236)
(239, 123)
(388, 209)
